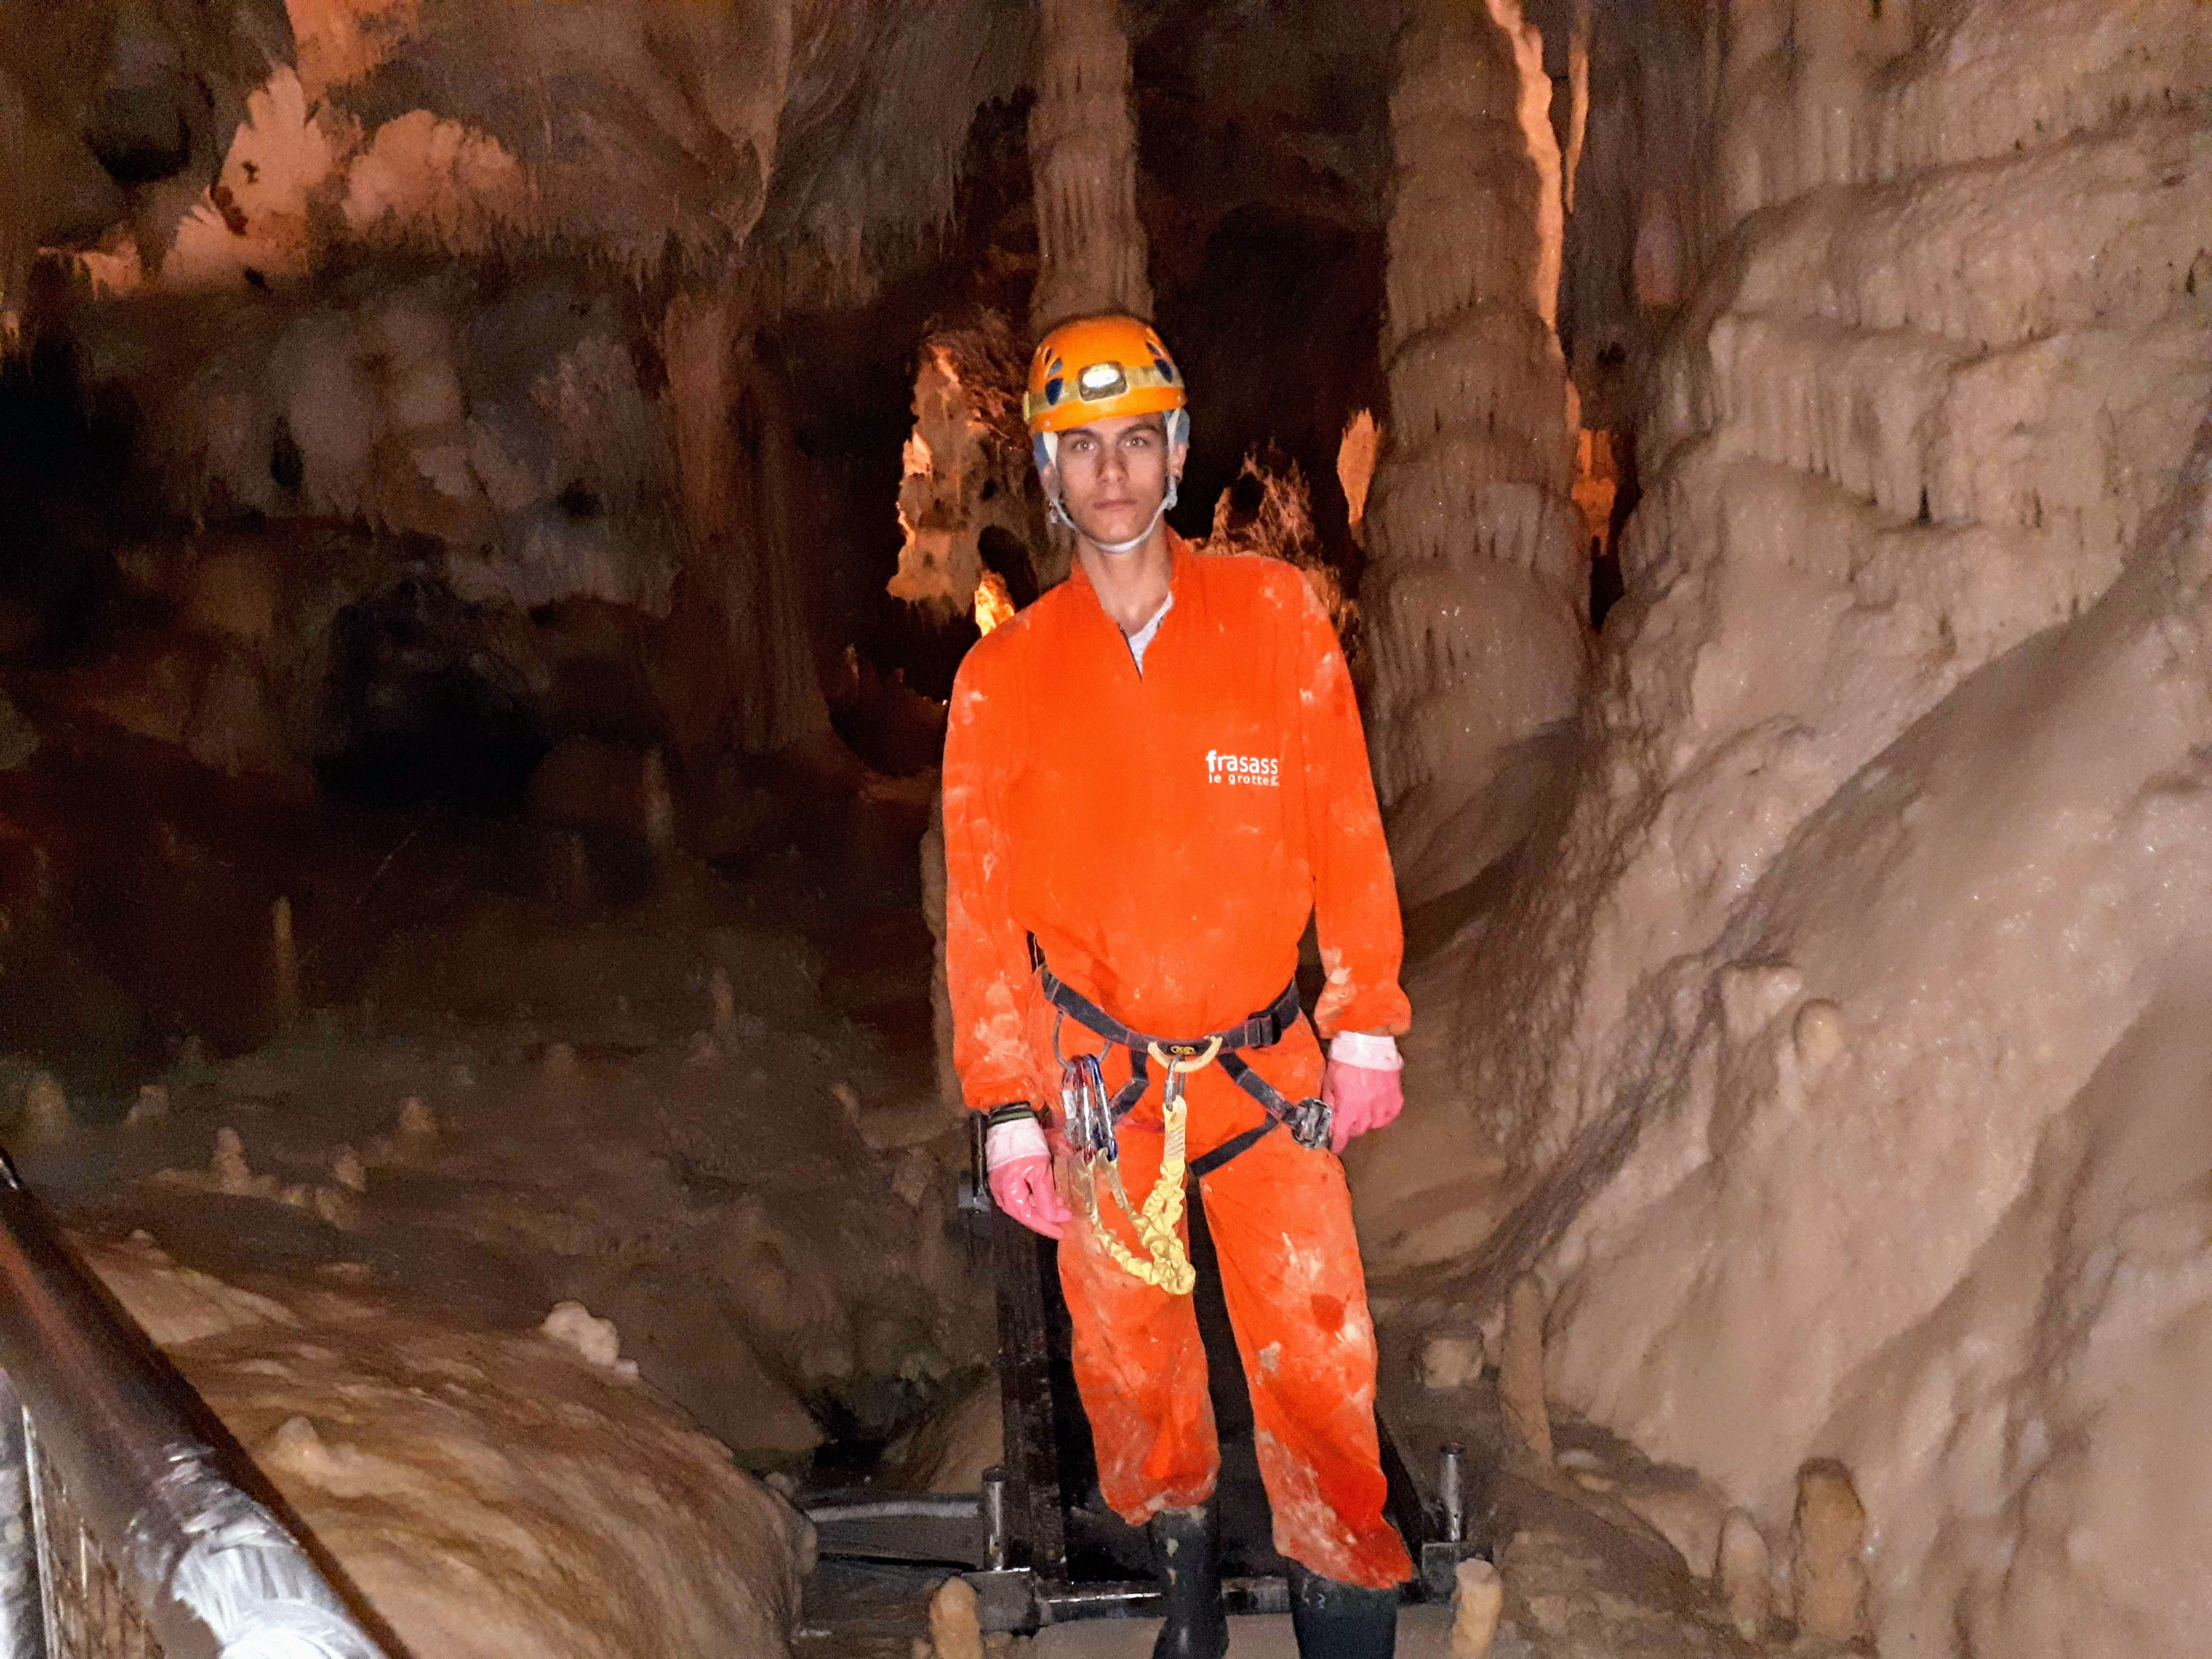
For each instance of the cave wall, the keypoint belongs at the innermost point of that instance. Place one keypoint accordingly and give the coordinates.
(118, 115)
(1823, 1049)
(486, 288)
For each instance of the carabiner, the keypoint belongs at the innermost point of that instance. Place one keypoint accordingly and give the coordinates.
(1087, 1113)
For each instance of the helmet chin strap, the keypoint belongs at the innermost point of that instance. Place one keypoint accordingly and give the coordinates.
(1047, 447)
(1056, 509)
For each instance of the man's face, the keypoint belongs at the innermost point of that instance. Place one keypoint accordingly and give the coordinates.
(1113, 475)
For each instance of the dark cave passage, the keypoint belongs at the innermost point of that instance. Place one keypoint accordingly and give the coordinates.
(415, 709)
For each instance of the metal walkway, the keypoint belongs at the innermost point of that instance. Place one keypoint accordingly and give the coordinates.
(1040, 1545)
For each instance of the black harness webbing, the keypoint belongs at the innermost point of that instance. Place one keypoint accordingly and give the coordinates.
(1307, 1120)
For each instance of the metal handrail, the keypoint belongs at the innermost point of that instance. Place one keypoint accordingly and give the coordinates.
(214, 1572)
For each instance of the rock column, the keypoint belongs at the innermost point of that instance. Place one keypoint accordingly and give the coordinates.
(739, 670)
(1091, 252)
(1476, 599)
(1083, 158)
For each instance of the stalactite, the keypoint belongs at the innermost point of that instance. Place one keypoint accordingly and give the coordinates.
(1578, 56)
(1474, 606)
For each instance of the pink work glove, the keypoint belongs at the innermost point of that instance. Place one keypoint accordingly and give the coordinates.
(1361, 1095)
(1021, 1176)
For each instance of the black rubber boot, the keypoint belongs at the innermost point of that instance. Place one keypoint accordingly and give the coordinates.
(1341, 1621)
(1190, 1586)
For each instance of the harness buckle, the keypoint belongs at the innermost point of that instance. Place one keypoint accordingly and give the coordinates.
(1310, 1122)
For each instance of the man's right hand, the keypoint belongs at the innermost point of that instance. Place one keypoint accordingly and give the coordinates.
(1021, 1176)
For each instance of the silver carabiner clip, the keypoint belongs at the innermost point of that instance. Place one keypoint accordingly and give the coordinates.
(1087, 1113)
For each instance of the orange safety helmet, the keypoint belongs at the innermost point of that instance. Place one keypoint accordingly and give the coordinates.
(1097, 367)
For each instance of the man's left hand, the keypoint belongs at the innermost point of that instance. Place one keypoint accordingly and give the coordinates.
(1360, 1098)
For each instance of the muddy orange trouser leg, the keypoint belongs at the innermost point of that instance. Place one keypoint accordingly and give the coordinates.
(1281, 1220)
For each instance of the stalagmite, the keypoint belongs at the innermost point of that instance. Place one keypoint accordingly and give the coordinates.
(297, 1448)
(418, 1124)
(594, 1341)
(1745, 1574)
(724, 998)
(348, 1171)
(283, 967)
(1818, 1032)
(1475, 602)
(1451, 1362)
(45, 1116)
(335, 1206)
(152, 1104)
(233, 1175)
(1828, 1575)
(657, 804)
(1521, 1369)
(954, 1630)
(1478, 1598)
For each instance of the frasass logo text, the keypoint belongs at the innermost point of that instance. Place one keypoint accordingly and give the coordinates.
(1252, 771)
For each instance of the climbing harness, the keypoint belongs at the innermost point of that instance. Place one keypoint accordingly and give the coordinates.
(1090, 1118)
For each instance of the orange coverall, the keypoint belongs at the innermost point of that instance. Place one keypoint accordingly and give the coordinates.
(1164, 838)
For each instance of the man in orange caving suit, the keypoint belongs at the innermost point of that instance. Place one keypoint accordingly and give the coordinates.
(1153, 777)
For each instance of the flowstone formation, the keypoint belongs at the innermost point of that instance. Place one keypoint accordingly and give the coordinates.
(1474, 599)
(967, 496)
(1828, 1055)
(488, 1494)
